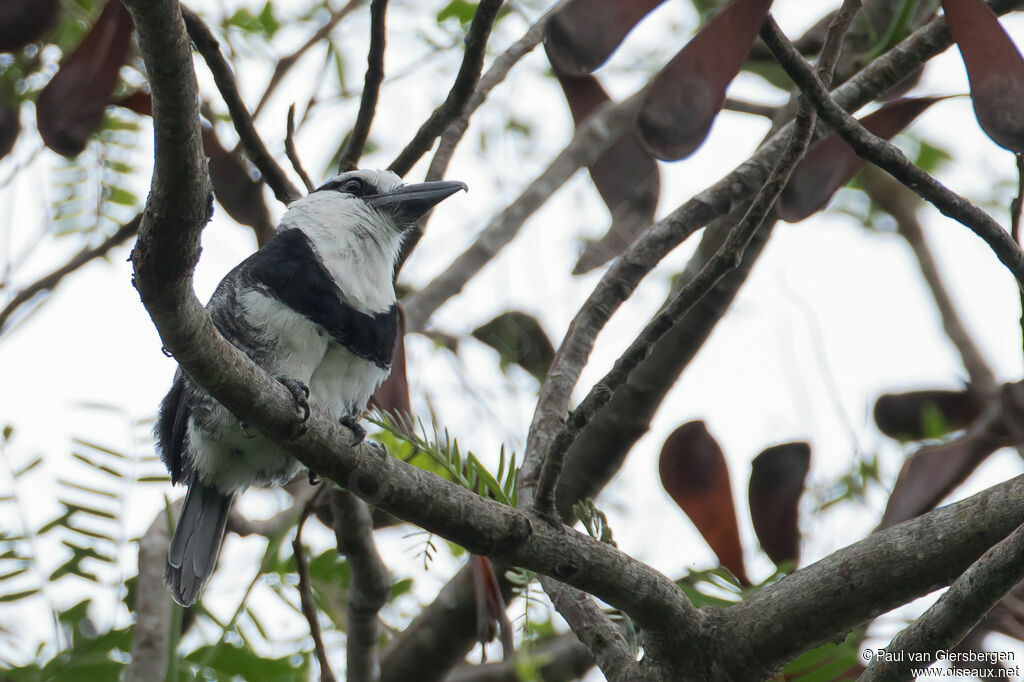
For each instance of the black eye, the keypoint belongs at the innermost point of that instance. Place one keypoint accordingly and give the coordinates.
(355, 187)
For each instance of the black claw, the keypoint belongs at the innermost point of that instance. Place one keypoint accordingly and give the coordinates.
(314, 479)
(352, 424)
(246, 433)
(300, 392)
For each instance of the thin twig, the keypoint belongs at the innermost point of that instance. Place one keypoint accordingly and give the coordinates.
(455, 131)
(309, 609)
(1015, 208)
(727, 258)
(753, 108)
(369, 585)
(284, 64)
(209, 48)
(371, 89)
(891, 159)
(465, 81)
(293, 155)
(51, 280)
(955, 613)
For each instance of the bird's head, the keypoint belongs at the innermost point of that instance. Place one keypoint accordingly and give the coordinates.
(372, 201)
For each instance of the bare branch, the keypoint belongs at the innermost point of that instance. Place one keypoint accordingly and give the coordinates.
(589, 142)
(293, 155)
(465, 81)
(309, 609)
(453, 134)
(593, 628)
(284, 64)
(958, 610)
(51, 280)
(151, 637)
(257, 152)
(752, 108)
(369, 585)
(891, 159)
(565, 660)
(371, 89)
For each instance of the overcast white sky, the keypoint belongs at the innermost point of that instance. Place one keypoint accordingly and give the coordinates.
(827, 302)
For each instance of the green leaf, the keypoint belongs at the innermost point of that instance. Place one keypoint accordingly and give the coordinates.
(458, 9)
(400, 587)
(231, 661)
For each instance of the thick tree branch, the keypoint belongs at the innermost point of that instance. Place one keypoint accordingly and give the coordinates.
(465, 81)
(891, 159)
(209, 48)
(369, 586)
(864, 580)
(371, 89)
(151, 637)
(594, 629)
(958, 610)
(51, 280)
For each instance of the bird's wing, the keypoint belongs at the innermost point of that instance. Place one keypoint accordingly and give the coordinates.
(290, 270)
(170, 427)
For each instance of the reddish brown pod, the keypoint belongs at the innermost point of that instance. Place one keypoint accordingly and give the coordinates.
(70, 107)
(25, 21)
(686, 96)
(995, 69)
(583, 34)
(776, 485)
(694, 473)
(626, 177)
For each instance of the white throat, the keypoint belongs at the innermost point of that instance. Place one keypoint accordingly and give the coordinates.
(357, 246)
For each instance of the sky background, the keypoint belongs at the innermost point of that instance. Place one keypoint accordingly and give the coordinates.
(832, 316)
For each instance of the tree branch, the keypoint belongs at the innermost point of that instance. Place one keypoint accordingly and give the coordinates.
(604, 641)
(284, 64)
(371, 89)
(857, 583)
(957, 611)
(565, 659)
(257, 152)
(151, 637)
(309, 609)
(50, 281)
(891, 159)
(292, 153)
(369, 586)
(465, 81)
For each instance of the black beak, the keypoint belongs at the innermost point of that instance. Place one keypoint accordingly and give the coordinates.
(409, 202)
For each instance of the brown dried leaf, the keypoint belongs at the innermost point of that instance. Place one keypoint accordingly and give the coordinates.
(917, 415)
(70, 107)
(694, 473)
(686, 96)
(25, 21)
(582, 35)
(626, 177)
(830, 163)
(235, 189)
(933, 472)
(994, 67)
(519, 339)
(776, 484)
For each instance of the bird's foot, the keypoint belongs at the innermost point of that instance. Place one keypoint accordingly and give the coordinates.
(300, 392)
(352, 424)
(246, 433)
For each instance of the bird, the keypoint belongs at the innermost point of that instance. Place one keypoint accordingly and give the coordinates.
(315, 308)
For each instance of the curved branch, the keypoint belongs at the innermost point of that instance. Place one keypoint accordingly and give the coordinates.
(50, 281)
(465, 81)
(257, 152)
(371, 89)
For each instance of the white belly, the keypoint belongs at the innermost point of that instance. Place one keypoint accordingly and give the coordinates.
(343, 383)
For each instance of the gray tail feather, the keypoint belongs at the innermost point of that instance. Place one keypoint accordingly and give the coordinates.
(196, 542)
